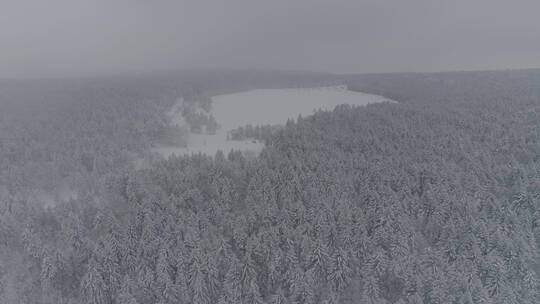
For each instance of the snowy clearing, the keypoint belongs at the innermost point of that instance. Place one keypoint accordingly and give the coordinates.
(263, 107)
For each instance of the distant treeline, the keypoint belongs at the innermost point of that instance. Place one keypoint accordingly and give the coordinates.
(249, 132)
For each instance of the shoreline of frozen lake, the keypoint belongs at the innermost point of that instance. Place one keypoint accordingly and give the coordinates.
(263, 107)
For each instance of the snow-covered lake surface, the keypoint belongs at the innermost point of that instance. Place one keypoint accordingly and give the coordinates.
(263, 107)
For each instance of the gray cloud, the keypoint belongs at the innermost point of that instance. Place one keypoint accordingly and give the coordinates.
(88, 37)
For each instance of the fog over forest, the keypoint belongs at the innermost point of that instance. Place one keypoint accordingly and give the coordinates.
(269, 152)
(59, 38)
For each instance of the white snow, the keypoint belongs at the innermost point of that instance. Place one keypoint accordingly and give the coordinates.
(49, 199)
(264, 107)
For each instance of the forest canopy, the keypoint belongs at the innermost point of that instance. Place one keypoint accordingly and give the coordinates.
(434, 199)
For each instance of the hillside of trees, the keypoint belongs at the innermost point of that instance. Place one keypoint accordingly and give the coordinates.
(69, 133)
(435, 199)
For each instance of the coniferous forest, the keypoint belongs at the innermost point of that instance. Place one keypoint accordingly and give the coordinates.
(432, 199)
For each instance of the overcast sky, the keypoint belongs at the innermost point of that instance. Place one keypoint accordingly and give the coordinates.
(51, 38)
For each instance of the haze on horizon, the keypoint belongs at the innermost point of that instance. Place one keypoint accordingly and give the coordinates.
(62, 38)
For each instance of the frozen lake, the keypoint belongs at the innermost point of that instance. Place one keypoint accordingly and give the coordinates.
(264, 107)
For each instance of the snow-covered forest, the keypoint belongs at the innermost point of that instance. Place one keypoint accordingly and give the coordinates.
(432, 199)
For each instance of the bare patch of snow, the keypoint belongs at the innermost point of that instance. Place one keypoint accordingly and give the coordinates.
(49, 199)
